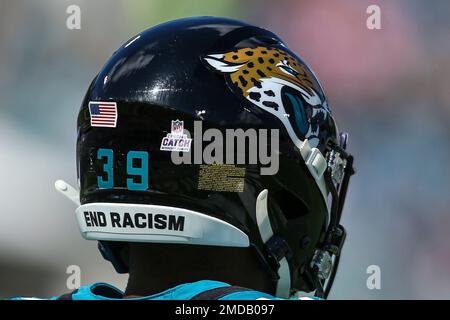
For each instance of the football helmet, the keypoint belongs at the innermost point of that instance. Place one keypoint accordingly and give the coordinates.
(143, 111)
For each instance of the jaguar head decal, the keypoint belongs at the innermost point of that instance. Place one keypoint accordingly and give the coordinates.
(277, 82)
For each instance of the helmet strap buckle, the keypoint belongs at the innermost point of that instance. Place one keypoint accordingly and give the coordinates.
(276, 249)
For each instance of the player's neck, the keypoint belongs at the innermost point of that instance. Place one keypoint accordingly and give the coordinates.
(154, 269)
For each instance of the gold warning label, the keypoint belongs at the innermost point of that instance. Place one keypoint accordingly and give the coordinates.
(221, 177)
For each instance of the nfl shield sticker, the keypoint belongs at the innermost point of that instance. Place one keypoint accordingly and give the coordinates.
(103, 114)
(176, 140)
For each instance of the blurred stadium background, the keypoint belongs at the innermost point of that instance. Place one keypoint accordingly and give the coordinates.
(389, 88)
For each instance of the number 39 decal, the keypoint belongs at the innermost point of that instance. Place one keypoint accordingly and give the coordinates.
(132, 171)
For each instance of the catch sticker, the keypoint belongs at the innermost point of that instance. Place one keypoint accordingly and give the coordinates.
(176, 140)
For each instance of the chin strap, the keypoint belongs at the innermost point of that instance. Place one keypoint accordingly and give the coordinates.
(277, 249)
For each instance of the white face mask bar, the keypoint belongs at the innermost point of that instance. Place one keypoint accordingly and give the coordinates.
(150, 223)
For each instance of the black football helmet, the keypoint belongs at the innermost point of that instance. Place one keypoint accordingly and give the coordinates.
(143, 109)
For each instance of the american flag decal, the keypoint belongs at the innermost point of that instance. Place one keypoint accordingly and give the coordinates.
(103, 114)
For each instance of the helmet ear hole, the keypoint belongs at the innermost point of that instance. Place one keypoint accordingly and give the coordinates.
(291, 206)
